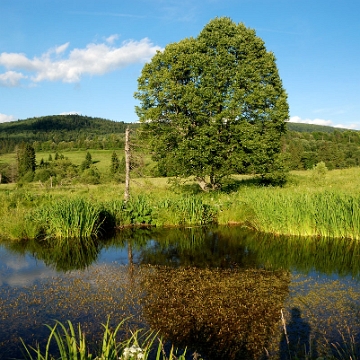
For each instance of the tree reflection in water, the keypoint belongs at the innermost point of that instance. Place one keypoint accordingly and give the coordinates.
(217, 290)
(222, 313)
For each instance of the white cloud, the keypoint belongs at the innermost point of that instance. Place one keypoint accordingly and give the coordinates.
(94, 59)
(111, 39)
(297, 119)
(11, 78)
(70, 113)
(60, 49)
(7, 118)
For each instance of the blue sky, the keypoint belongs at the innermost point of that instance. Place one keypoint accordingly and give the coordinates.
(67, 56)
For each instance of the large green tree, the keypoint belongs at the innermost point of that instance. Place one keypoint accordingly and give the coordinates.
(214, 105)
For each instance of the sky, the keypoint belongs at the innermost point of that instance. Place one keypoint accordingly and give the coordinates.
(84, 57)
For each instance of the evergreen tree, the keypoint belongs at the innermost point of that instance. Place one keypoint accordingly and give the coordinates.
(26, 160)
(87, 162)
(115, 163)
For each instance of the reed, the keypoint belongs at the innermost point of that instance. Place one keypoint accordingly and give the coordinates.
(186, 210)
(327, 213)
(72, 345)
(69, 218)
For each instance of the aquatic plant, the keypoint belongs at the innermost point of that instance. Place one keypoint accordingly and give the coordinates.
(71, 218)
(225, 314)
(72, 345)
(327, 213)
(185, 210)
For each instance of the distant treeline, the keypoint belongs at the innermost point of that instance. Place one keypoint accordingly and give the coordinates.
(338, 148)
(61, 132)
(304, 144)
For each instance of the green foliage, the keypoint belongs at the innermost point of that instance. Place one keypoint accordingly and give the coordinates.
(42, 175)
(319, 172)
(337, 149)
(71, 344)
(70, 218)
(90, 176)
(213, 105)
(26, 161)
(333, 214)
(87, 162)
(115, 163)
(188, 210)
(138, 211)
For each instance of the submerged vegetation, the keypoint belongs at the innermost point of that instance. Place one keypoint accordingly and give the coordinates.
(218, 290)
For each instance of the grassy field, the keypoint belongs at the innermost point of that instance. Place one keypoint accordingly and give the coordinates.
(312, 203)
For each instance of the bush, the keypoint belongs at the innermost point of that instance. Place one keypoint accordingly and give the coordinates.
(42, 175)
(90, 176)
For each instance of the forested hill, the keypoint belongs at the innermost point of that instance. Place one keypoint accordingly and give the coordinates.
(304, 144)
(310, 128)
(59, 128)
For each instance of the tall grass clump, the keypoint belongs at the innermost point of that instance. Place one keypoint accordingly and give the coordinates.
(71, 218)
(15, 207)
(326, 213)
(168, 211)
(188, 210)
(71, 344)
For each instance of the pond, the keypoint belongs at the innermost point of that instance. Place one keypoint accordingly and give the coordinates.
(225, 292)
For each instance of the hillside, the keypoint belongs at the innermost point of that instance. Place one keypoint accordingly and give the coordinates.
(58, 128)
(300, 127)
(304, 144)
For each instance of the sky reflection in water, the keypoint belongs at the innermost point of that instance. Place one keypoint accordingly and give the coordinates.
(322, 272)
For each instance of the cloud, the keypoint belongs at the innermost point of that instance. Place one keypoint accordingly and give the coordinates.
(94, 59)
(11, 78)
(112, 38)
(70, 113)
(7, 118)
(297, 119)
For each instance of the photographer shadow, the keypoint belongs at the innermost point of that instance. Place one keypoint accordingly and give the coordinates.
(296, 343)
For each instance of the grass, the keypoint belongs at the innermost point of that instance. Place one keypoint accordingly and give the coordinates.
(329, 206)
(101, 158)
(71, 344)
(74, 218)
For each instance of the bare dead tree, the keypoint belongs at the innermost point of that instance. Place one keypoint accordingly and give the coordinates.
(127, 165)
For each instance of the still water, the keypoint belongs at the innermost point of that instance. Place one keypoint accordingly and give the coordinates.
(225, 292)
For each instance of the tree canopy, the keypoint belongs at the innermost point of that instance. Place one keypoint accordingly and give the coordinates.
(214, 104)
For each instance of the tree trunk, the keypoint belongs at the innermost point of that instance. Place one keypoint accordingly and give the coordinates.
(202, 183)
(127, 165)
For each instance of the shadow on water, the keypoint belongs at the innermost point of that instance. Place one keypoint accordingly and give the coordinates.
(219, 290)
(296, 342)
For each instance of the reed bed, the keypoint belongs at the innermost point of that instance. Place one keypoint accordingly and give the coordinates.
(187, 210)
(69, 218)
(329, 208)
(327, 213)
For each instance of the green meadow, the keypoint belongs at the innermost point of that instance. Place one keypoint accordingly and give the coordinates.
(312, 203)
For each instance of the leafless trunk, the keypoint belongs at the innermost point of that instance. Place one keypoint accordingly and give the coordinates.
(127, 165)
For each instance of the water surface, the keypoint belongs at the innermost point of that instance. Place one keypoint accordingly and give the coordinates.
(220, 290)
